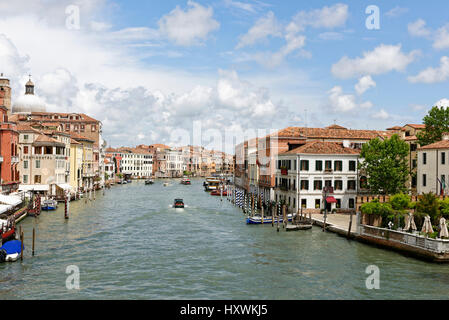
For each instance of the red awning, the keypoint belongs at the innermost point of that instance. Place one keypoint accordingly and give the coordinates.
(331, 200)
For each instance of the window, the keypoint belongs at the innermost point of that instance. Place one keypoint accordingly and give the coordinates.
(25, 150)
(318, 185)
(338, 165)
(25, 178)
(304, 165)
(82, 127)
(25, 164)
(352, 166)
(94, 128)
(318, 165)
(25, 137)
(424, 158)
(424, 180)
(338, 204)
(443, 181)
(67, 126)
(443, 157)
(338, 185)
(351, 184)
(413, 147)
(304, 184)
(328, 183)
(37, 179)
(351, 203)
(414, 163)
(38, 164)
(328, 165)
(304, 203)
(317, 203)
(37, 150)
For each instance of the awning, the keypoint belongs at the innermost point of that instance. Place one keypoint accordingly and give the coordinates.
(4, 208)
(64, 186)
(33, 187)
(331, 200)
(11, 200)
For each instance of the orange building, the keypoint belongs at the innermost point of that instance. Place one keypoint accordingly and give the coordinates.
(9, 139)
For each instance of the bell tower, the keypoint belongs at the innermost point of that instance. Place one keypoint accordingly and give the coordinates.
(5, 93)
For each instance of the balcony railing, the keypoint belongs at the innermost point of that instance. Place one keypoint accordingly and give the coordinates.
(14, 159)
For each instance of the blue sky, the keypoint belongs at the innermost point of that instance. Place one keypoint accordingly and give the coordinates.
(149, 68)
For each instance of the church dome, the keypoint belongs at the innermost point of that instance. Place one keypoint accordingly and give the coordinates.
(28, 102)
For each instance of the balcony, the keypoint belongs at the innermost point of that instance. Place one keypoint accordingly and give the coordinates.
(284, 172)
(328, 171)
(14, 159)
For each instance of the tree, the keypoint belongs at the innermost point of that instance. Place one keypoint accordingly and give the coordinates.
(437, 123)
(386, 165)
(428, 204)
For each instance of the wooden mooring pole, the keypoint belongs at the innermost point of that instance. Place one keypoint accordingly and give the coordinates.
(21, 240)
(350, 226)
(34, 239)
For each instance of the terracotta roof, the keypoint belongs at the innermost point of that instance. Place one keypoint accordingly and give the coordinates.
(443, 144)
(42, 139)
(160, 146)
(395, 128)
(320, 147)
(26, 128)
(79, 137)
(73, 141)
(411, 138)
(326, 133)
(416, 126)
(336, 126)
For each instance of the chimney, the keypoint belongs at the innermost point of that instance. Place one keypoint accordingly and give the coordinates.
(446, 136)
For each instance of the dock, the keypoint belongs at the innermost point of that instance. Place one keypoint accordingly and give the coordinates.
(337, 223)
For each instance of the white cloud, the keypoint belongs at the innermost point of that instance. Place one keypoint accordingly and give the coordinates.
(364, 84)
(263, 28)
(382, 114)
(433, 75)
(250, 7)
(190, 27)
(326, 17)
(340, 102)
(418, 28)
(396, 12)
(442, 38)
(383, 59)
(442, 103)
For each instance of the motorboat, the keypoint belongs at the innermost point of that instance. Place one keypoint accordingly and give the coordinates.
(149, 181)
(49, 204)
(179, 203)
(7, 230)
(166, 184)
(186, 181)
(266, 219)
(10, 251)
(219, 193)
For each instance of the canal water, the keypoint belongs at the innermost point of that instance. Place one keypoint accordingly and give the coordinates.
(130, 244)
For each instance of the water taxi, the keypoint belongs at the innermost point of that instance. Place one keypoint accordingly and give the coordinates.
(186, 181)
(179, 203)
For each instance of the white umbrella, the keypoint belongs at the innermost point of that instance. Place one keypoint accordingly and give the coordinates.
(427, 226)
(412, 222)
(407, 223)
(443, 228)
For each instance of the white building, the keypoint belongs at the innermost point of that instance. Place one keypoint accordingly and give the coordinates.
(302, 174)
(175, 163)
(433, 167)
(136, 162)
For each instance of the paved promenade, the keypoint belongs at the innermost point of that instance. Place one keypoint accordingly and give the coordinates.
(336, 222)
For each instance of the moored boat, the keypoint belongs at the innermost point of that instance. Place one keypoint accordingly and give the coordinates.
(10, 251)
(211, 184)
(149, 181)
(223, 193)
(258, 219)
(49, 204)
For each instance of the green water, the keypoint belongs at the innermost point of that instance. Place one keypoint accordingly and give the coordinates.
(130, 244)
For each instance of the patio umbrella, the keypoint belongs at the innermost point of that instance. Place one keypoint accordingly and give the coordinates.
(412, 222)
(407, 223)
(427, 225)
(443, 228)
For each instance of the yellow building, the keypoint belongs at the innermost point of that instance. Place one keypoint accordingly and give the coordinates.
(87, 163)
(76, 164)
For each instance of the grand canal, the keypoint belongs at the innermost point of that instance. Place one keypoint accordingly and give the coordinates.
(130, 244)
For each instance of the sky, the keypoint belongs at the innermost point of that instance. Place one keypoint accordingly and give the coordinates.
(161, 71)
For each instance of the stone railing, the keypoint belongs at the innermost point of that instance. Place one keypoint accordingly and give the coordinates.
(405, 238)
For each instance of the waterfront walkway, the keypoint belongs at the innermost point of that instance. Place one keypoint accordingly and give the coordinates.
(338, 223)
